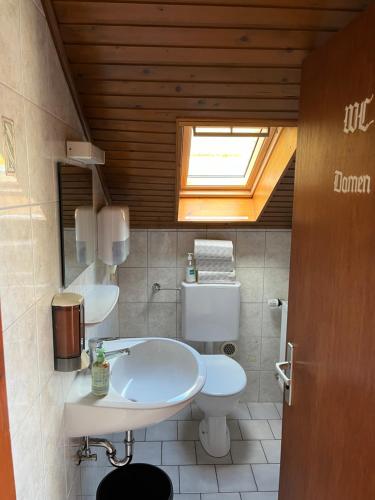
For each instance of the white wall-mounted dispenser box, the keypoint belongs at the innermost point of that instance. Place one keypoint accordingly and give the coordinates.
(85, 152)
(113, 234)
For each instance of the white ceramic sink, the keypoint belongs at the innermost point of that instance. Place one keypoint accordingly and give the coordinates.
(159, 378)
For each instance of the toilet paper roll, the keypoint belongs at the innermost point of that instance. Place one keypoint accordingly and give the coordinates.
(216, 277)
(218, 265)
(213, 249)
(273, 303)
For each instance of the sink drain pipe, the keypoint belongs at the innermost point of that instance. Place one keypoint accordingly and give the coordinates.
(84, 453)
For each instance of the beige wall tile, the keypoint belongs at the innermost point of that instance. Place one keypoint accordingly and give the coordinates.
(42, 168)
(138, 250)
(55, 480)
(28, 457)
(162, 248)
(34, 53)
(251, 392)
(60, 101)
(278, 248)
(269, 388)
(52, 420)
(21, 364)
(45, 339)
(249, 352)
(251, 283)
(46, 249)
(276, 283)
(162, 320)
(251, 319)
(10, 45)
(133, 284)
(133, 319)
(270, 353)
(250, 249)
(14, 189)
(16, 257)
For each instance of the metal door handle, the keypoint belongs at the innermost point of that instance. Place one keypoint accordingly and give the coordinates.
(284, 370)
(280, 367)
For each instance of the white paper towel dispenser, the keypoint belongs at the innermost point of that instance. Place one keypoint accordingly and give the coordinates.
(113, 234)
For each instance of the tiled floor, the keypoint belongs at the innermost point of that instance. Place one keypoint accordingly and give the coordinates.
(249, 472)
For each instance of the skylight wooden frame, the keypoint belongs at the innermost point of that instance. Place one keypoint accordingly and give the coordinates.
(237, 206)
(185, 135)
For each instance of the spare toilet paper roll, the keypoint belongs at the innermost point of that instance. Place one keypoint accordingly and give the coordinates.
(273, 303)
(216, 277)
(218, 265)
(213, 249)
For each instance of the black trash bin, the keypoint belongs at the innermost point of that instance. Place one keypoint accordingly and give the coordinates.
(135, 482)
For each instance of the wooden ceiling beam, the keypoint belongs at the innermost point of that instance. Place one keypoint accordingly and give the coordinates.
(139, 155)
(120, 54)
(354, 5)
(142, 164)
(70, 12)
(282, 117)
(143, 137)
(155, 191)
(192, 37)
(114, 145)
(115, 178)
(139, 171)
(190, 103)
(133, 126)
(162, 73)
(117, 88)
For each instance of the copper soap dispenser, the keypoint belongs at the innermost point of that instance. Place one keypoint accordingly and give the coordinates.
(68, 331)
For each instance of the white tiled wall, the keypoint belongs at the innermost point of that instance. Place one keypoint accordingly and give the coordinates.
(262, 265)
(34, 94)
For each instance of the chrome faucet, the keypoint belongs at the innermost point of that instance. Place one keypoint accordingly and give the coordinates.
(97, 342)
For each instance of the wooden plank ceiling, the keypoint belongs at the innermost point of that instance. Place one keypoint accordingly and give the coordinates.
(138, 66)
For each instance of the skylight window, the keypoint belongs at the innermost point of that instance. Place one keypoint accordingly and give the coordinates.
(228, 171)
(223, 156)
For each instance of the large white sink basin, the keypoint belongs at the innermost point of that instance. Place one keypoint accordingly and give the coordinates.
(159, 378)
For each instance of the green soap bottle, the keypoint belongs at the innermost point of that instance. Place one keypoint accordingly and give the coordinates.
(100, 374)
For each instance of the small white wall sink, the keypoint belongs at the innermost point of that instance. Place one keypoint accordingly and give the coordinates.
(100, 301)
(159, 378)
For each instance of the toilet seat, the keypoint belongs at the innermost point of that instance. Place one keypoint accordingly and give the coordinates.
(225, 377)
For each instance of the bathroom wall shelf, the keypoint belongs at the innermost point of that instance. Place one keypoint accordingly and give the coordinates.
(100, 301)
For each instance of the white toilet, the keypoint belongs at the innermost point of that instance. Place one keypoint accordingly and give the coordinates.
(211, 313)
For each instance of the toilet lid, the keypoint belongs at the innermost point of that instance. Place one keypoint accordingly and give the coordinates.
(225, 376)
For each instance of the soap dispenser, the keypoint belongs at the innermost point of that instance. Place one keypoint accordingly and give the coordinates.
(68, 331)
(191, 276)
(100, 374)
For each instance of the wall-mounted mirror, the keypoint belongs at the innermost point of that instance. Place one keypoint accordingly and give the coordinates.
(77, 222)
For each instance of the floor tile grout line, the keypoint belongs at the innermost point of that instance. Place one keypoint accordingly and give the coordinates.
(217, 478)
(264, 451)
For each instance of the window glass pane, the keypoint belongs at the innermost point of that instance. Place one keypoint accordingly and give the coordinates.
(220, 161)
(212, 130)
(249, 130)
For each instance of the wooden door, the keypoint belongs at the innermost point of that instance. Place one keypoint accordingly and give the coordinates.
(7, 491)
(329, 432)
